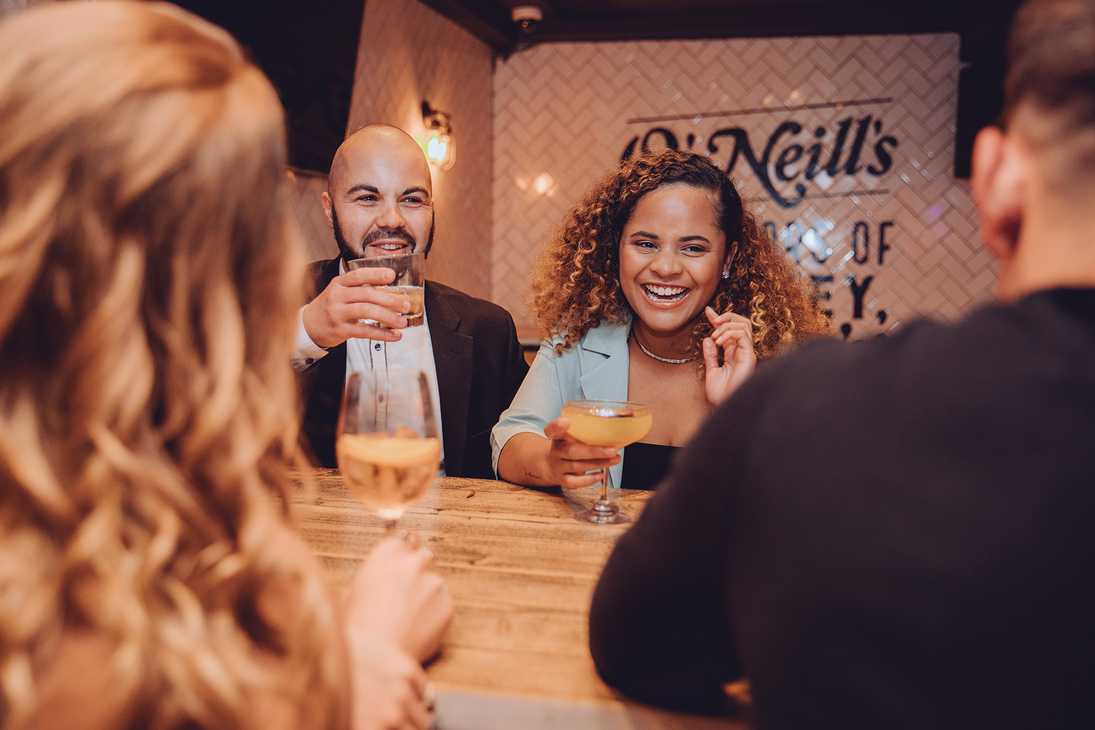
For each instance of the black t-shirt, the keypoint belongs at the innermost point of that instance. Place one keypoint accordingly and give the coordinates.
(891, 534)
(646, 465)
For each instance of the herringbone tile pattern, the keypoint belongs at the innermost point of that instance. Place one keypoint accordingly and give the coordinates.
(409, 53)
(561, 116)
(305, 191)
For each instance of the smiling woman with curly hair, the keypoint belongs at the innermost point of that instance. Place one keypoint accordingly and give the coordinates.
(660, 266)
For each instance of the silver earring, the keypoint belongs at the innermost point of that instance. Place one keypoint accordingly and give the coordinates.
(726, 274)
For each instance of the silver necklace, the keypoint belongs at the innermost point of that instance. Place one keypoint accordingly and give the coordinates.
(659, 358)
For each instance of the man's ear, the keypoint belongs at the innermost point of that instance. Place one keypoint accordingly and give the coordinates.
(999, 180)
(325, 198)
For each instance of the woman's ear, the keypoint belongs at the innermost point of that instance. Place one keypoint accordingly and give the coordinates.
(731, 254)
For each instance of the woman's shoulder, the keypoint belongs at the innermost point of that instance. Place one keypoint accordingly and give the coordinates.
(607, 338)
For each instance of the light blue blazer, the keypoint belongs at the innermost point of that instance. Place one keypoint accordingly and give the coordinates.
(596, 368)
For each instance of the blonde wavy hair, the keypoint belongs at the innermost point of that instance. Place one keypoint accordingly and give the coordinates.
(148, 282)
(576, 284)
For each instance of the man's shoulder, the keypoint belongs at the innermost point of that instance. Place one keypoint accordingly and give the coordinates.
(473, 309)
(925, 360)
(920, 345)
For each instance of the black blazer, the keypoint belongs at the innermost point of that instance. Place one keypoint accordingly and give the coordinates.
(479, 368)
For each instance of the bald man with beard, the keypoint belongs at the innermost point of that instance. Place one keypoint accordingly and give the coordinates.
(379, 201)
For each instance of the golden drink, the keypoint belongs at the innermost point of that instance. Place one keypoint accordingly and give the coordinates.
(612, 429)
(415, 294)
(387, 473)
(607, 424)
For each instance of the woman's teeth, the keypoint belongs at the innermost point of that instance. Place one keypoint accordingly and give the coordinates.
(665, 293)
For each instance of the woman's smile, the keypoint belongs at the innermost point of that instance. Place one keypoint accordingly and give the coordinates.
(672, 252)
(664, 295)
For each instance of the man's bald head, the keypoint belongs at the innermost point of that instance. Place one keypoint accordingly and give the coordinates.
(379, 193)
(372, 142)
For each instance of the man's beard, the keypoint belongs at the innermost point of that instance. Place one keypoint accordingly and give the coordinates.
(348, 253)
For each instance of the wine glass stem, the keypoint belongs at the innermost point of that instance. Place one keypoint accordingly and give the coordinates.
(604, 484)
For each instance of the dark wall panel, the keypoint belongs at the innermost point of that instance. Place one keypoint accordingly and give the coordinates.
(309, 51)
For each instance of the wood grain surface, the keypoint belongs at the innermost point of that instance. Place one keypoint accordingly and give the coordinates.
(521, 569)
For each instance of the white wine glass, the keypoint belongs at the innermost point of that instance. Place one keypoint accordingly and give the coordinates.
(388, 447)
(610, 424)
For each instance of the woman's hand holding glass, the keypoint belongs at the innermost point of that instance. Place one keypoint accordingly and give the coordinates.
(733, 336)
(389, 688)
(397, 611)
(572, 464)
(397, 593)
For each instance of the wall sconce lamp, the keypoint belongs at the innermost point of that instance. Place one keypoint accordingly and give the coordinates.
(438, 145)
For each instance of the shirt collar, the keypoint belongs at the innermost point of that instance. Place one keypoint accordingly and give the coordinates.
(609, 339)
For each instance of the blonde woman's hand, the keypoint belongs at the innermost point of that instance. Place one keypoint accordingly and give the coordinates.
(733, 335)
(397, 596)
(569, 462)
(390, 691)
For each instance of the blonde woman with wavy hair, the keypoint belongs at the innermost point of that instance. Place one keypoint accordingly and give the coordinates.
(149, 576)
(660, 288)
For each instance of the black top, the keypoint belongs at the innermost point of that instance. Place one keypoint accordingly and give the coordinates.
(479, 363)
(891, 534)
(646, 464)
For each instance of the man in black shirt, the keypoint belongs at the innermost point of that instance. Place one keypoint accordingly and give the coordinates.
(898, 534)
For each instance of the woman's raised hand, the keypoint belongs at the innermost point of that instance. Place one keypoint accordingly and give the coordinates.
(733, 336)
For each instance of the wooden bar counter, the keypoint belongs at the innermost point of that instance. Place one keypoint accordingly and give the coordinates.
(521, 569)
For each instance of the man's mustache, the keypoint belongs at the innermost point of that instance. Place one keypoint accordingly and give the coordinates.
(387, 234)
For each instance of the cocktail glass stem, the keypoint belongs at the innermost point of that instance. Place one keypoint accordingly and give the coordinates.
(603, 510)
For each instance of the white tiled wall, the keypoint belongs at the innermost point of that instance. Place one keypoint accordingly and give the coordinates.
(564, 114)
(409, 53)
(305, 189)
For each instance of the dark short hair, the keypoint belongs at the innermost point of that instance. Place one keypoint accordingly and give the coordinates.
(1051, 66)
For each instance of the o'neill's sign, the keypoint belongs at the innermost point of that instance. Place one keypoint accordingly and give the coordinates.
(797, 160)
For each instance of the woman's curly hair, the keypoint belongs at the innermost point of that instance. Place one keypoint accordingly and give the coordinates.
(576, 285)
